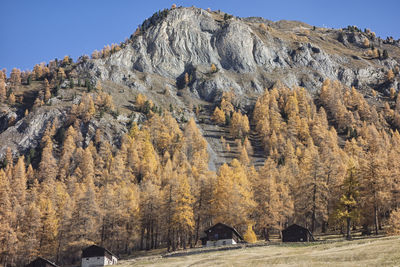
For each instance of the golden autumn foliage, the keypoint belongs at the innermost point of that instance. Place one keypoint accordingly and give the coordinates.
(366, 43)
(249, 236)
(390, 75)
(61, 74)
(3, 92)
(329, 167)
(239, 125)
(218, 116)
(47, 93)
(213, 68)
(11, 99)
(394, 222)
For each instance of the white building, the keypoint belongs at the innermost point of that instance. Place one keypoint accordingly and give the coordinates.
(95, 256)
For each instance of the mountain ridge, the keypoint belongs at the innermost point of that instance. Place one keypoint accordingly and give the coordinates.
(250, 54)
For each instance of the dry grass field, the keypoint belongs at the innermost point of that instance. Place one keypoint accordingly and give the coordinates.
(383, 251)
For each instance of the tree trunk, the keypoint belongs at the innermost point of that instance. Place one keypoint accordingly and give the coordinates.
(265, 234)
(173, 241)
(348, 229)
(190, 241)
(103, 230)
(169, 239)
(313, 208)
(156, 238)
(324, 226)
(196, 239)
(183, 239)
(152, 235)
(376, 219)
(141, 238)
(148, 238)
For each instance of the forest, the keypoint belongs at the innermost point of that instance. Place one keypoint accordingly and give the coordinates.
(332, 165)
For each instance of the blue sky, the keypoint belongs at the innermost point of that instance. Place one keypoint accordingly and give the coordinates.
(34, 31)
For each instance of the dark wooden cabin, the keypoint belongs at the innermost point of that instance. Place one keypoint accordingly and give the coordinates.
(296, 233)
(41, 262)
(221, 232)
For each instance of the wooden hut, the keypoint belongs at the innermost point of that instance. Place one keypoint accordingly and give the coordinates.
(296, 233)
(221, 234)
(41, 262)
(97, 256)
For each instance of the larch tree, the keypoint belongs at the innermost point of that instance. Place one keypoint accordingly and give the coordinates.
(8, 236)
(221, 201)
(239, 125)
(49, 225)
(3, 92)
(266, 196)
(11, 98)
(48, 164)
(98, 86)
(183, 217)
(85, 216)
(15, 77)
(390, 75)
(61, 74)
(312, 190)
(348, 206)
(233, 195)
(194, 141)
(47, 93)
(150, 205)
(31, 229)
(19, 183)
(244, 158)
(373, 182)
(218, 116)
(67, 152)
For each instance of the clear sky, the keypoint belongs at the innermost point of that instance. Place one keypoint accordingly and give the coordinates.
(34, 31)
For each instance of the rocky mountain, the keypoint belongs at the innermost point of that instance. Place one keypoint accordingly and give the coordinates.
(187, 57)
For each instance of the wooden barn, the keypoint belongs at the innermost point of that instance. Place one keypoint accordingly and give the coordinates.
(41, 262)
(296, 233)
(221, 234)
(97, 256)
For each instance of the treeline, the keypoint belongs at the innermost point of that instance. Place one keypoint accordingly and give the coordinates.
(156, 190)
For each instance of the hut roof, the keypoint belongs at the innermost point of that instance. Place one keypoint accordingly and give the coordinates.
(39, 261)
(95, 251)
(227, 226)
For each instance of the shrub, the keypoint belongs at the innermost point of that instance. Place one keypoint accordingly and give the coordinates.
(213, 68)
(250, 236)
(365, 43)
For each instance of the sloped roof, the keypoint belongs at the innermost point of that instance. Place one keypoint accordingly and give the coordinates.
(227, 226)
(39, 260)
(95, 250)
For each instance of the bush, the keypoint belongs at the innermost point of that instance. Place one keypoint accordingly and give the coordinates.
(250, 236)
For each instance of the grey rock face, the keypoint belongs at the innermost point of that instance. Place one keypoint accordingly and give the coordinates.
(195, 37)
(27, 132)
